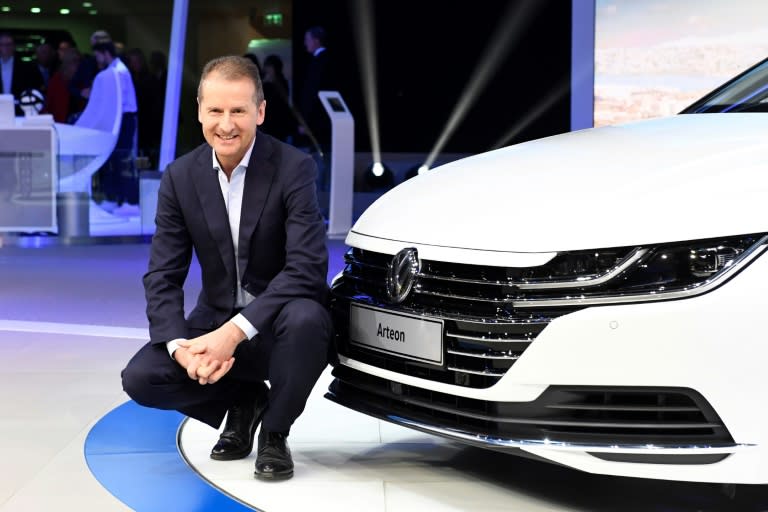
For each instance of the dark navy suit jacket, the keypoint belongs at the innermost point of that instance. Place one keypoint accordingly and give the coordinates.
(281, 255)
(320, 77)
(25, 76)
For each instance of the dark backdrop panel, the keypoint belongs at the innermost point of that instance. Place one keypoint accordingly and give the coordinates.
(427, 52)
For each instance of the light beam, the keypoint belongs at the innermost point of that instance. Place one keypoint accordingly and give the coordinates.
(534, 113)
(508, 31)
(363, 29)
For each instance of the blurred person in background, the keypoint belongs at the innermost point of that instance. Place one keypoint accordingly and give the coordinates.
(58, 101)
(158, 67)
(281, 121)
(76, 83)
(45, 58)
(251, 57)
(149, 102)
(119, 181)
(319, 76)
(16, 76)
(88, 66)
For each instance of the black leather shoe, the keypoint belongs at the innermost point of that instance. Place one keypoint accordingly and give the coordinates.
(236, 441)
(273, 459)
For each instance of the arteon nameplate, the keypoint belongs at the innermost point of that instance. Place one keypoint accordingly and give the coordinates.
(409, 336)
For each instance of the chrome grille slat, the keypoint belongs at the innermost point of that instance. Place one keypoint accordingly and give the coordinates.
(628, 424)
(444, 314)
(627, 408)
(468, 298)
(500, 357)
(483, 282)
(488, 339)
(586, 280)
(485, 373)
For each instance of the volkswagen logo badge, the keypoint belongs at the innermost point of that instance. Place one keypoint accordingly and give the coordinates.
(401, 274)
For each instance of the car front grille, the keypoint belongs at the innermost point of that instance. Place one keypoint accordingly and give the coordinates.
(663, 417)
(483, 290)
(483, 336)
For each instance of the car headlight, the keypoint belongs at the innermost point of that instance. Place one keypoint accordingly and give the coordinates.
(667, 271)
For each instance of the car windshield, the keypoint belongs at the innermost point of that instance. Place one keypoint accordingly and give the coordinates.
(747, 92)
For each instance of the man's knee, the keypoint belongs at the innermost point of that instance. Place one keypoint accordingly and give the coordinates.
(148, 376)
(305, 318)
(136, 383)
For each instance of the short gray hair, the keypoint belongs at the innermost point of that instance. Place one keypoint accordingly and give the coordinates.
(233, 67)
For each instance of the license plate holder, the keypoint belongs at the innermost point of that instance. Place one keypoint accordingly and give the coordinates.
(409, 336)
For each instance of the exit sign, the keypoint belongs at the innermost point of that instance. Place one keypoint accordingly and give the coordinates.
(274, 19)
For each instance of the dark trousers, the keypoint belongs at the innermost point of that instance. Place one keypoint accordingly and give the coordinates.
(119, 180)
(291, 356)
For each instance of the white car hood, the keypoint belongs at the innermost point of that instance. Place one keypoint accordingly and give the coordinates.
(680, 178)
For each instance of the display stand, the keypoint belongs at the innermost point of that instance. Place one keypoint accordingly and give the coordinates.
(342, 163)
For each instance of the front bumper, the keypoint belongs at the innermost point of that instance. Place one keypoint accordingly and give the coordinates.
(709, 349)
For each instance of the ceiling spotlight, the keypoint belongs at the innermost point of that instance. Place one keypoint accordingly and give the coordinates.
(64, 10)
(378, 177)
(34, 10)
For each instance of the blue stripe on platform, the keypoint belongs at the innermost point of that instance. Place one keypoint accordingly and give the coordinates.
(132, 452)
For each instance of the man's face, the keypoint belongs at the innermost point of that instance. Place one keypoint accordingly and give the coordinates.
(310, 43)
(101, 59)
(44, 54)
(134, 63)
(268, 74)
(63, 47)
(69, 65)
(7, 47)
(229, 115)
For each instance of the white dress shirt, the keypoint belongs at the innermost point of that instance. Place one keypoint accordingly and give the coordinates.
(232, 190)
(127, 90)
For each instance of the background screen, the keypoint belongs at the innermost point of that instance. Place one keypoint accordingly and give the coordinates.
(655, 57)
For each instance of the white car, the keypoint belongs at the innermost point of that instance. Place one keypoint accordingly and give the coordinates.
(597, 299)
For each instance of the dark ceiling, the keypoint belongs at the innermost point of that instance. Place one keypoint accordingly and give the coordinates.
(134, 7)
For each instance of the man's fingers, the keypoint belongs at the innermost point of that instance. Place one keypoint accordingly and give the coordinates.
(206, 368)
(203, 371)
(192, 368)
(222, 371)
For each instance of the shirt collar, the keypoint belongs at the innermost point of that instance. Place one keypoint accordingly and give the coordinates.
(243, 162)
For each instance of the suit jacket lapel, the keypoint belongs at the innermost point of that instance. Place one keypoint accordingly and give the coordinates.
(258, 182)
(214, 210)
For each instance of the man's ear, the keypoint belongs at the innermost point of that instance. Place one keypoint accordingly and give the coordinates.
(262, 109)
